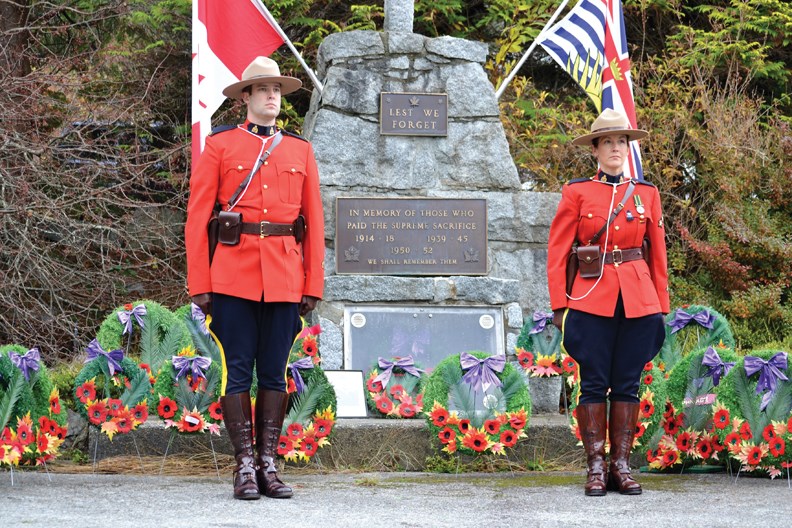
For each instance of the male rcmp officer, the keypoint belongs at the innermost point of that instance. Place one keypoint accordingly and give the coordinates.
(257, 288)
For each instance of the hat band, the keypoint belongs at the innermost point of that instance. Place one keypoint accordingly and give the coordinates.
(608, 129)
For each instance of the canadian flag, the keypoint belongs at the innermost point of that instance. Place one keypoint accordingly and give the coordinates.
(227, 35)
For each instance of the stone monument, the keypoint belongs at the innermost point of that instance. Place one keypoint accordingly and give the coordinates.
(359, 160)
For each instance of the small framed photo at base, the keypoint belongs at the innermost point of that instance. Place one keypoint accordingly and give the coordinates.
(350, 392)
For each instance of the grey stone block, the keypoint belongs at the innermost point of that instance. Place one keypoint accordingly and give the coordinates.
(489, 290)
(331, 344)
(456, 48)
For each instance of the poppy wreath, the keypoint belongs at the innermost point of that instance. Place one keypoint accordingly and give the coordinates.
(32, 419)
(753, 414)
(690, 328)
(146, 330)
(195, 322)
(453, 418)
(394, 388)
(113, 391)
(310, 417)
(187, 392)
(539, 347)
(687, 436)
(651, 397)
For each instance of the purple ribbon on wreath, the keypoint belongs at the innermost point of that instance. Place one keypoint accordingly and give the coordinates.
(300, 364)
(27, 362)
(482, 371)
(197, 315)
(407, 364)
(125, 316)
(197, 365)
(682, 319)
(717, 367)
(769, 374)
(541, 319)
(113, 357)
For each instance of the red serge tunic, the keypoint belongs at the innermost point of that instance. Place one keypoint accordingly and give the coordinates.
(275, 268)
(583, 210)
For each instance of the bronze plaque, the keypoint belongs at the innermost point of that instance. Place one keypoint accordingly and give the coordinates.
(413, 114)
(411, 236)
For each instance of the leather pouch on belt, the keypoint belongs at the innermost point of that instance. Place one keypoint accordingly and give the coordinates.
(229, 227)
(589, 261)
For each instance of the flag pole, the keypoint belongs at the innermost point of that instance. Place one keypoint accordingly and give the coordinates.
(288, 42)
(505, 83)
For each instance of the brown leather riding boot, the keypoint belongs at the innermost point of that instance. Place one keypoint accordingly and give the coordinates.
(622, 421)
(237, 417)
(591, 420)
(270, 411)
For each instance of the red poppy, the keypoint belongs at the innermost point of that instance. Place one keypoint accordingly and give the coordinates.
(683, 442)
(114, 406)
(652, 455)
(649, 366)
(146, 367)
(492, 426)
(446, 435)
(86, 391)
(374, 386)
(191, 422)
(439, 416)
(407, 410)
(290, 386)
(464, 425)
(309, 446)
(777, 447)
(54, 402)
(508, 438)
(284, 445)
(128, 306)
(396, 391)
(518, 420)
(704, 448)
(97, 412)
(671, 426)
(166, 408)
(754, 456)
(721, 419)
(745, 431)
(140, 413)
(215, 411)
(647, 408)
(525, 358)
(669, 458)
(309, 346)
(44, 423)
(475, 440)
(5, 436)
(323, 427)
(648, 379)
(294, 431)
(24, 433)
(768, 433)
(640, 429)
(569, 364)
(716, 445)
(384, 405)
(669, 410)
(732, 440)
(124, 421)
(60, 432)
(42, 443)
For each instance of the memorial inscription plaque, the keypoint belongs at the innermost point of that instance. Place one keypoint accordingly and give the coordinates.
(411, 236)
(413, 114)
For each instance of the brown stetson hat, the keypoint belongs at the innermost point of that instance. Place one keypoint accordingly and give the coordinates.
(262, 69)
(610, 122)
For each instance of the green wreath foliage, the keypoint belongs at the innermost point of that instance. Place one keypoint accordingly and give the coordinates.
(32, 396)
(317, 396)
(681, 381)
(546, 342)
(202, 342)
(163, 335)
(139, 391)
(694, 336)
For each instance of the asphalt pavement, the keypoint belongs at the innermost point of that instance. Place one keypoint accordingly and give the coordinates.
(398, 499)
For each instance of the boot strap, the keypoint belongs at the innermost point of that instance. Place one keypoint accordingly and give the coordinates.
(268, 465)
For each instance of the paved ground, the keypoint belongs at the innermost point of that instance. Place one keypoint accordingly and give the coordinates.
(382, 500)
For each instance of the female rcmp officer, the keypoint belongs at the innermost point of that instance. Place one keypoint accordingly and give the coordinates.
(612, 323)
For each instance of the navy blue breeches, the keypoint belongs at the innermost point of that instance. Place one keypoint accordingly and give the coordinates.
(611, 352)
(254, 332)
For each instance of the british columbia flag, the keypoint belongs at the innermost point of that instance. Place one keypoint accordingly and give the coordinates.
(590, 43)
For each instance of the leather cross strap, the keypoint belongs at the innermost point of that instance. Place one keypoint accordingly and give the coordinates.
(617, 256)
(619, 207)
(264, 229)
(259, 162)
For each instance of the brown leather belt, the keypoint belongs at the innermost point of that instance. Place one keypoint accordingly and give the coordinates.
(617, 256)
(265, 229)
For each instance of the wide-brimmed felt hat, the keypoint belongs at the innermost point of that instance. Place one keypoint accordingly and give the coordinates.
(607, 123)
(262, 69)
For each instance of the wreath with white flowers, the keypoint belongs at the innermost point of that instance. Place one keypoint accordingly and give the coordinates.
(461, 422)
(32, 419)
(113, 391)
(394, 388)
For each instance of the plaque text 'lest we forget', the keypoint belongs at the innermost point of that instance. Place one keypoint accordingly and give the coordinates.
(411, 236)
(413, 114)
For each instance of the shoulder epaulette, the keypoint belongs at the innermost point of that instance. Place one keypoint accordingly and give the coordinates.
(644, 182)
(292, 134)
(578, 180)
(222, 128)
